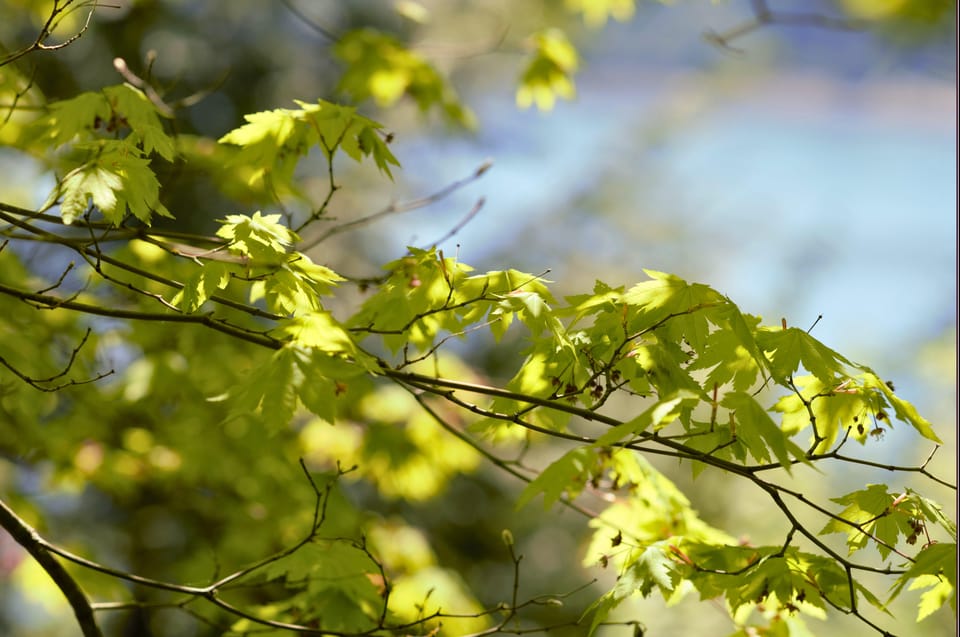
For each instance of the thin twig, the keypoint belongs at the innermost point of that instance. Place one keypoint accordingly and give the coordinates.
(395, 208)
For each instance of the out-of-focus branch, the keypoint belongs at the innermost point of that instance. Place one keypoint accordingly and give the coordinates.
(327, 34)
(57, 12)
(467, 218)
(27, 537)
(399, 207)
(44, 384)
(763, 16)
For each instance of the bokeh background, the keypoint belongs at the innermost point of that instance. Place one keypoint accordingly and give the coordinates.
(807, 171)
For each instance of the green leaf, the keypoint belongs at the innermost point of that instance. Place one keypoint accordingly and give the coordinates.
(792, 347)
(272, 142)
(201, 285)
(934, 513)
(315, 377)
(658, 415)
(336, 576)
(95, 115)
(837, 407)
(116, 180)
(288, 294)
(663, 363)
(69, 120)
(757, 430)
(865, 508)
(597, 12)
(261, 237)
(423, 295)
(644, 568)
(904, 410)
(666, 294)
(731, 353)
(549, 73)
(653, 566)
(319, 330)
(380, 67)
(141, 115)
(939, 590)
(600, 609)
(86, 183)
(565, 476)
(939, 560)
(270, 390)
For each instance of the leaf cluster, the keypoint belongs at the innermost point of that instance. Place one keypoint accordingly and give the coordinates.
(178, 377)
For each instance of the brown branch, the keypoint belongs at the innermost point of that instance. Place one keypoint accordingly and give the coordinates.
(30, 540)
(10, 215)
(57, 12)
(675, 449)
(467, 218)
(764, 16)
(42, 383)
(43, 301)
(14, 104)
(120, 65)
(329, 35)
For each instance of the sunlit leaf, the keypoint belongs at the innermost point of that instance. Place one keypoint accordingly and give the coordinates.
(790, 348)
(565, 476)
(939, 591)
(380, 67)
(204, 282)
(117, 181)
(758, 431)
(549, 73)
(904, 410)
(596, 12)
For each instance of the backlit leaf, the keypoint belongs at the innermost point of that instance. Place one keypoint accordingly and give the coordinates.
(380, 67)
(565, 476)
(790, 348)
(549, 73)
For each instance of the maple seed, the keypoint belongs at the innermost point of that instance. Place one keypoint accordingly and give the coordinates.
(617, 539)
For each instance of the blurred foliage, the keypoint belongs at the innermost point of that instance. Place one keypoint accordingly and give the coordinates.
(180, 463)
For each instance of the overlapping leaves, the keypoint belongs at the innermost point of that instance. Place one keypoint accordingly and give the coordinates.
(289, 282)
(549, 73)
(273, 142)
(379, 66)
(107, 140)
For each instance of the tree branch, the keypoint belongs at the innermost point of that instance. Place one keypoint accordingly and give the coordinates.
(43, 301)
(57, 12)
(28, 538)
(764, 16)
(406, 206)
